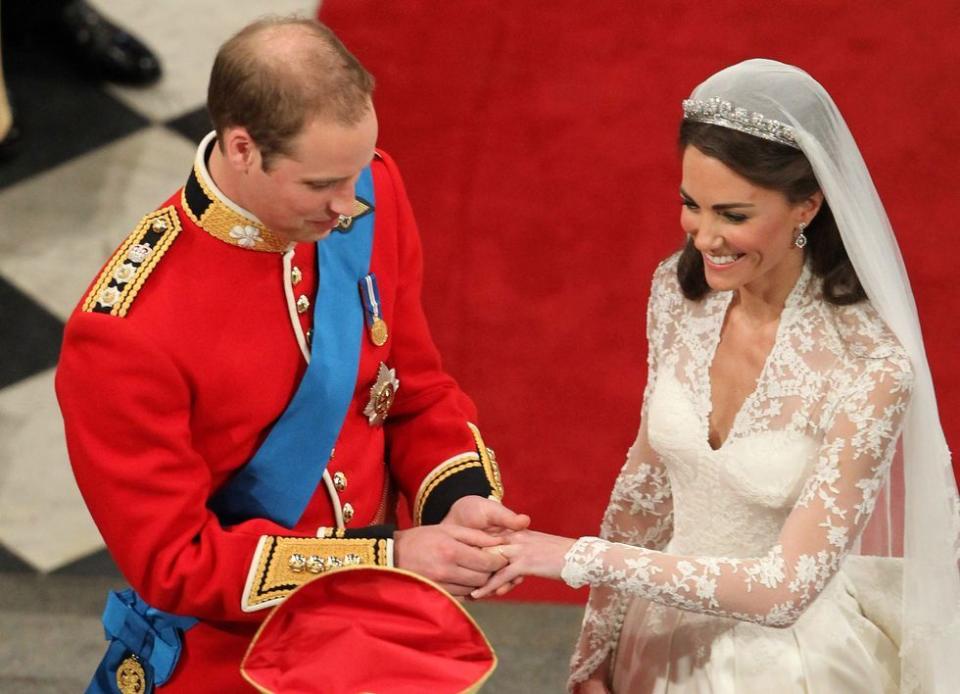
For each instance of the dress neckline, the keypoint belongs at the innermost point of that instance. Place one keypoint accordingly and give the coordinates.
(718, 309)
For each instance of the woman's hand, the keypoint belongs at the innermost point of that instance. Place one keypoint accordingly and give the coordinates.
(591, 686)
(530, 554)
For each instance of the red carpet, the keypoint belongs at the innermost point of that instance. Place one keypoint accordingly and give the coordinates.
(537, 142)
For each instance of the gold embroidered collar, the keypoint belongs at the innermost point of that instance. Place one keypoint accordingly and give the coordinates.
(219, 216)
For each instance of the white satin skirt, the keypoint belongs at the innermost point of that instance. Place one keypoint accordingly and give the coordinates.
(833, 647)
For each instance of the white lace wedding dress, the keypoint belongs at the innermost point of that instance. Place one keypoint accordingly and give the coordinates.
(724, 570)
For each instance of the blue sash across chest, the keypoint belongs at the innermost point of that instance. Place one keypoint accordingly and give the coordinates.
(283, 475)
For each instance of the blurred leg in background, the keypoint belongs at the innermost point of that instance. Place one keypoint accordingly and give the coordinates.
(8, 130)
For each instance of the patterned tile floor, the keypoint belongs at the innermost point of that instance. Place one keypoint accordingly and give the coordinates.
(93, 160)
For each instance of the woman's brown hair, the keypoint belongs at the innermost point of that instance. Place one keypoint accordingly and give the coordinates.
(785, 169)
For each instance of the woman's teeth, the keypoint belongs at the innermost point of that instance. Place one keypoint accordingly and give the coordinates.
(724, 259)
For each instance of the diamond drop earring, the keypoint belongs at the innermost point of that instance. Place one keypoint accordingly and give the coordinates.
(801, 239)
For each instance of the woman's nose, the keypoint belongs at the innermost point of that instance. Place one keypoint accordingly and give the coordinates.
(704, 236)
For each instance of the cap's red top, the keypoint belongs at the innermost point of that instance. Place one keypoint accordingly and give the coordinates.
(369, 629)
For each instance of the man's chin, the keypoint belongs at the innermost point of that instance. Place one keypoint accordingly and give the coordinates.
(317, 231)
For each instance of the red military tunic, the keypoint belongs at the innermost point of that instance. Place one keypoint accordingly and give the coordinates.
(171, 379)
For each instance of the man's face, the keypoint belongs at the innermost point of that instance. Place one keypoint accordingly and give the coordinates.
(300, 197)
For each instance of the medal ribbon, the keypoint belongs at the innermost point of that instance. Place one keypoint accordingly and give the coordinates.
(371, 298)
(283, 475)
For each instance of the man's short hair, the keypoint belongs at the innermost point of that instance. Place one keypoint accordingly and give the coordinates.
(275, 93)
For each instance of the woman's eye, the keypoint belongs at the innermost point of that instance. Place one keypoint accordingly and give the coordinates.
(689, 204)
(734, 217)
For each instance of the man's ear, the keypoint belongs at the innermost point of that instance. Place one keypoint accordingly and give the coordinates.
(239, 149)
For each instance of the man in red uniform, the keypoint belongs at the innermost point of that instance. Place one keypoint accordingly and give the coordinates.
(250, 380)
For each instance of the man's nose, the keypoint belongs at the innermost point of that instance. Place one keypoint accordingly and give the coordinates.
(344, 196)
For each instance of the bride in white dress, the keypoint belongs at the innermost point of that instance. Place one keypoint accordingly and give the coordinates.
(732, 555)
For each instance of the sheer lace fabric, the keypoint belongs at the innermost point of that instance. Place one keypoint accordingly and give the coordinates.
(753, 531)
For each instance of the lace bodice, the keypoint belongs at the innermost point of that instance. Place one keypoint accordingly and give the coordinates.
(755, 529)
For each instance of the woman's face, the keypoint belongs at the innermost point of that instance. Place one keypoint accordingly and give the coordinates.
(745, 233)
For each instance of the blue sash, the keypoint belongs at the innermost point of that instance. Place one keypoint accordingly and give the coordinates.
(133, 627)
(283, 475)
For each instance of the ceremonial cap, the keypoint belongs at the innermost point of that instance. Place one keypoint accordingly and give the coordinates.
(369, 629)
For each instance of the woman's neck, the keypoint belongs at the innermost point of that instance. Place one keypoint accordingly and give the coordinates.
(762, 300)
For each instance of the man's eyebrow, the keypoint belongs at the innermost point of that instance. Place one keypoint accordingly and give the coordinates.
(323, 181)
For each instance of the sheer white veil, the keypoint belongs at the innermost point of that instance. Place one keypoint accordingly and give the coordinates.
(921, 515)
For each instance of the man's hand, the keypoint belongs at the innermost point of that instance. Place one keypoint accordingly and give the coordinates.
(448, 554)
(490, 516)
(485, 514)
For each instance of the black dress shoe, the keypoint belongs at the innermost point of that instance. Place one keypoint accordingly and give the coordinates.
(105, 50)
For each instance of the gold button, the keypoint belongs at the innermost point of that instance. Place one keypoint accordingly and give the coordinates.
(309, 336)
(347, 513)
(303, 304)
(296, 275)
(339, 481)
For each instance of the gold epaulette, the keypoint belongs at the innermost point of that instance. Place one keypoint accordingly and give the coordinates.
(128, 269)
(282, 564)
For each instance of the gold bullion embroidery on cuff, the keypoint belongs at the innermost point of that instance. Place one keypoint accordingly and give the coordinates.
(489, 460)
(128, 269)
(447, 468)
(281, 564)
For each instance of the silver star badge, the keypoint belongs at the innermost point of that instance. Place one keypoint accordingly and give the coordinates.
(382, 394)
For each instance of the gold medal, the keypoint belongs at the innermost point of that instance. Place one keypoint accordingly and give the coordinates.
(378, 332)
(131, 678)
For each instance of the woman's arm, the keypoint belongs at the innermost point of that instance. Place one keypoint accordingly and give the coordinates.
(773, 589)
(640, 510)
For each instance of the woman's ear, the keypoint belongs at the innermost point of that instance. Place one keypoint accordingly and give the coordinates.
(810, 207)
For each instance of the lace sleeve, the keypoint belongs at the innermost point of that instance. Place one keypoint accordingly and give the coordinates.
(835, 504)
(640, 512)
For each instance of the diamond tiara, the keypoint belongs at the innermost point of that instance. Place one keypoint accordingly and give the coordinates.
(717, 111)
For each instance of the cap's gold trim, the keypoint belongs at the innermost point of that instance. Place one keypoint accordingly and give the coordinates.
(475, 687)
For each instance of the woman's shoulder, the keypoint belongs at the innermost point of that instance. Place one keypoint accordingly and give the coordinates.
(866, 337)
(665, 276)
